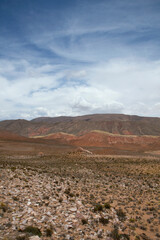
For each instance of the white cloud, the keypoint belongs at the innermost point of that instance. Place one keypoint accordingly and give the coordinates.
(117, 86)
(97, 59)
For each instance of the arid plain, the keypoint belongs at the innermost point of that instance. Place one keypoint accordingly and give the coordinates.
(52, 189)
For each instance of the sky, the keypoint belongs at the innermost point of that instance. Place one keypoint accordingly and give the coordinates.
(77, 57)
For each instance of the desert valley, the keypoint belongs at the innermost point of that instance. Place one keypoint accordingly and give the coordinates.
(79, 120)
(80, 178)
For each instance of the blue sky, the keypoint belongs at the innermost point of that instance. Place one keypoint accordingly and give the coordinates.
(72, 57)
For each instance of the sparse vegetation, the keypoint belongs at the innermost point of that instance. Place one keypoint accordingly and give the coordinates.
(115, 234)
(104, 221)
(33, 230)
(107, 205)
(3, 206)
(121, 214)
(49, 232)
(15, 198)
(71, 190)
(132, 220)
(21, 237)
(84, 221)
(98, 207)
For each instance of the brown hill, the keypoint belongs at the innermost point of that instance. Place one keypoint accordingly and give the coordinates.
(6, 135)
(100, 139)
(104, 139)
(112, 123)
(108, 132)
(63, 137)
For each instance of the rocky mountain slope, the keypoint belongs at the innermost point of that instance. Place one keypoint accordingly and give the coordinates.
(111, 123)
(115, 131)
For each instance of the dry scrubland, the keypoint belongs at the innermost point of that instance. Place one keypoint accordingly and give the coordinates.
(77, 197)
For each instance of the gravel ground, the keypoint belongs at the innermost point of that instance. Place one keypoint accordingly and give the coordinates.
(73, 196)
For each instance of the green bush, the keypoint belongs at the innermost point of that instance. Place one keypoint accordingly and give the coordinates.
(107, 205)
(49, 232)
(3, 206)
(98, 207)
(84, 221)
(33, 231)
(132, 220)
(103, 220)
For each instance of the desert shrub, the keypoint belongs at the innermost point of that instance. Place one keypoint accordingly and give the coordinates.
(21, 237)
(3, 206)
(46, 197)
(152, 209)
(121, 215)
(60, 199)
(137, 238)
(124, 236)
(98, 207)
(84, 221)
(103, 220)
(67, 191)
(33, 230)
(91, 196)
(132, 220)
(13, 169)
(107, 205)
(71, 194)
(49, 232)
(15, 198)
(115, 234)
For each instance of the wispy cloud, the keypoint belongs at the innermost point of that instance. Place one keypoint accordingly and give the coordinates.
(86, 57)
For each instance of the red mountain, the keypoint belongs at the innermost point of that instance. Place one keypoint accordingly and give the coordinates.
(112, 123)
(116, 131)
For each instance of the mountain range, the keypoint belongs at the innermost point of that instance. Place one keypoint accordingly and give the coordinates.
(111, 123)
(98, 130)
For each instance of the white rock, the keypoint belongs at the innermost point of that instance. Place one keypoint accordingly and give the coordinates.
(79, 202)
(34, 238)
(48, 213)
(30, 210)
(73, 209)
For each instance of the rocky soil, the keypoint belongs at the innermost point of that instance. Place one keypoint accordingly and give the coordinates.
(78, 197)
